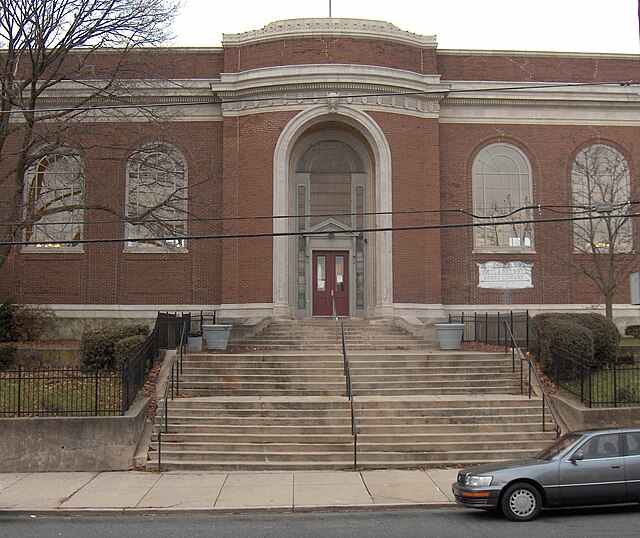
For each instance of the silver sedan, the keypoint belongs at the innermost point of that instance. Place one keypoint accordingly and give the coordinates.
(580, 468)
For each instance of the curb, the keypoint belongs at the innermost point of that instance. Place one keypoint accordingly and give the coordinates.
(66, 512)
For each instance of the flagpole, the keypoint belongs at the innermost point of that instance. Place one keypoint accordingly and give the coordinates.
(330, 8)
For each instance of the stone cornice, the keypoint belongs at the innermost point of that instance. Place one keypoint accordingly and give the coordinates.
(308, 80)
(558, 103)
(542, 94)
(349, 28)
(334, 101)
(539, 54)
(295, 87)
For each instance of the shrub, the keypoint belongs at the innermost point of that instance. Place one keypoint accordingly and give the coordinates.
(632, 330)
(8, 355)
(605, 334)
(561, 331)
(7, 331)
(127, 347)
(97, 347)
(30, 322)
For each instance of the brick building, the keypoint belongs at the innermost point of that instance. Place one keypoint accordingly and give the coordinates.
(374, 152)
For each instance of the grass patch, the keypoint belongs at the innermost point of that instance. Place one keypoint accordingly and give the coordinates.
(608, 387)
(629, 341)
(60, 392)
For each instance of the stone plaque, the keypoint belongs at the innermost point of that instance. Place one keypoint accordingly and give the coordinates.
(505, 276)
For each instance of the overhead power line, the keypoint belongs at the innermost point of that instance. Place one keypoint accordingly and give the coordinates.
(558, 209)
(309, 233)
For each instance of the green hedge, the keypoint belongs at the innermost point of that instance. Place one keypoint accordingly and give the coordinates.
(606, 337)
(98, 346)
(8, 355)
(7, 330)
(566, 333)
(632, 330)
(593, 337)
(127, 347)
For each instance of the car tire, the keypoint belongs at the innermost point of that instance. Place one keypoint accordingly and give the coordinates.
(521, 502)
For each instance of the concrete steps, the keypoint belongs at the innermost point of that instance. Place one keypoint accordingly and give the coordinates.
(321, 334)
(285, 409)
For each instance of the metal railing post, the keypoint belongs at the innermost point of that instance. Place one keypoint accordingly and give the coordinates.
(96, 394)
(19, 389)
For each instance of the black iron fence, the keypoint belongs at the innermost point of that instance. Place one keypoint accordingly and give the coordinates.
(609, 385)
(60, 392)
(76, 392)
(490, 328)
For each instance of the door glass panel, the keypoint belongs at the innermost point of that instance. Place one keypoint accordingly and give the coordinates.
(633, 443)
(602, 446)
(321, 281)
(339, 273)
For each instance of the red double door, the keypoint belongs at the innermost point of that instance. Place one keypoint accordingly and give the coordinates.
(330, 279)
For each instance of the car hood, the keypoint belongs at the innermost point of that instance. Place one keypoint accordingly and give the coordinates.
(503, 466)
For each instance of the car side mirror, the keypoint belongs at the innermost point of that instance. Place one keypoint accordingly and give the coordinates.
(577, 456)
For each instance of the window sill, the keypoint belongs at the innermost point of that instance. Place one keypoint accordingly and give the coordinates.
(504, 250)
(151, 250)
(60, 250)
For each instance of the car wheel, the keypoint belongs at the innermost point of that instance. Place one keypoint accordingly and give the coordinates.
(521, 502)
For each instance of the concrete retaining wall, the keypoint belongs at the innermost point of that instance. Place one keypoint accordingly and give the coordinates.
(71, 443)
(578, 417)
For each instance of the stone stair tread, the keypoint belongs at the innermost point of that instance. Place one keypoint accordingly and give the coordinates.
(278, 402)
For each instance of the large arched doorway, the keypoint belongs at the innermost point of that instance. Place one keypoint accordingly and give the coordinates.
(330, 196)
(332, 180)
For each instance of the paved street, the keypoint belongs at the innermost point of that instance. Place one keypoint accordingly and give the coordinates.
(619, 521)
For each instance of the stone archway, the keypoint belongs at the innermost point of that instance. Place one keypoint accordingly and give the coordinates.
(286, 248)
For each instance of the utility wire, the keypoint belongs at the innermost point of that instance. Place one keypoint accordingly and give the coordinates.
(309, 233)
(571, 210)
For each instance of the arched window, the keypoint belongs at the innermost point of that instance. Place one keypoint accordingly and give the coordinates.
(54, 202)
(333, 171)
(501, 185)
(601, 188)
(156, 205)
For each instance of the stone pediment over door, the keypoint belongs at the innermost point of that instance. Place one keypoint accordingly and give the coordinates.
(331, 226)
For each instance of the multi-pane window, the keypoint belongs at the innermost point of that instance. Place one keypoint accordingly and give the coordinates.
(54, 202)
(156, 206)
(601, 186)
(502, 190)
(331, 170)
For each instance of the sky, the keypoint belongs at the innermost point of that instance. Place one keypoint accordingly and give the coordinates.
(609, 26)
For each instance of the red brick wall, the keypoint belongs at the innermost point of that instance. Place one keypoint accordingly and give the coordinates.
(330, 50)
(148, 63)
(104, 273)
(518, 67)
(550, 150)
(249, 146)
(416, 187)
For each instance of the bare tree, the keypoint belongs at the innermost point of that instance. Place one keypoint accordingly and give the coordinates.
(604, 249)
(53, 52)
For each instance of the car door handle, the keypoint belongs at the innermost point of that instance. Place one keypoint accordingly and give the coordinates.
(615, 467)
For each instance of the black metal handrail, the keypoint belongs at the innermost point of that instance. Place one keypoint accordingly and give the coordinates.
(173, 386)
(510, 341)
(349, 390)
(335, 315)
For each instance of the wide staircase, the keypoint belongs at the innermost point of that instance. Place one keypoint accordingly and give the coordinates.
(284, 409)
(324, 333)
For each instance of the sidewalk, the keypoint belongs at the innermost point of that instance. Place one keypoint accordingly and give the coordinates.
(133, 492)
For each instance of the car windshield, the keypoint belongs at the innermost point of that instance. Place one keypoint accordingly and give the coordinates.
(561, 444)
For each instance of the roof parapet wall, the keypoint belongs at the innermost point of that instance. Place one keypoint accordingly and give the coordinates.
(349, 28)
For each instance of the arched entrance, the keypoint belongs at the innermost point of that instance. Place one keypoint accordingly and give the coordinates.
(331, 175)
(332, 192)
